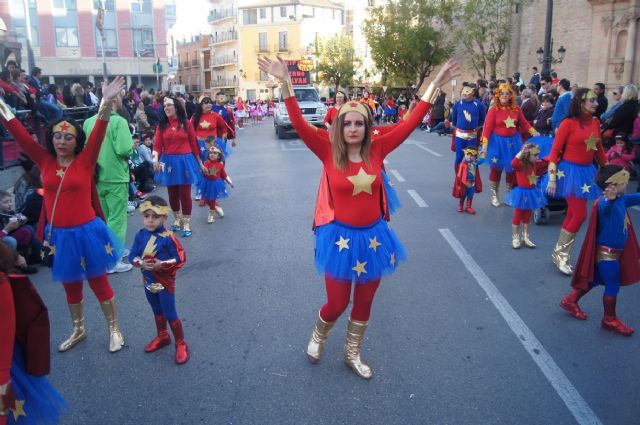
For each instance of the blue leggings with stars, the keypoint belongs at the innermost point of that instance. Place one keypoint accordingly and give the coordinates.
(163, 304)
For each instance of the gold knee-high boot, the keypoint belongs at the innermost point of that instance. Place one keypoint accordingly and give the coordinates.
(116, 340)
(516, 241)
(562, 252)
(352, 344)
(525, 236)
(318, 339)
(79, 333)
(495, 197)
(177, 221)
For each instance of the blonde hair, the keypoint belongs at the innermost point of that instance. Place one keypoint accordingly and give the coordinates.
(629, 93)
(339, 145)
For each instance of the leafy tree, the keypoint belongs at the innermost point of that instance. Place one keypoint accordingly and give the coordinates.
(337, 62)
(409, 38)
(484, 31)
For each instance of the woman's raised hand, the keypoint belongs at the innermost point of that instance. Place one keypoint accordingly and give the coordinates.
(112, 89)
(276, 68)
(449, 70)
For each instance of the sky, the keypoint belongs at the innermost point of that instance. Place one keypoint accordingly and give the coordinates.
(191, 18)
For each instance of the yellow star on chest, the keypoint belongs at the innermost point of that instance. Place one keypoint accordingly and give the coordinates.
(592, 143)
(109, 249)
(19, 410)
(174, 128)
(533, 178)
(213, 171)
(585, 188)
(560, 174)
(362, 182)
(359, 268)
(60, 172)
(343, 244)
(374, 244)
(205, 125)
(510, 123)
(376, 132)
(467, 116)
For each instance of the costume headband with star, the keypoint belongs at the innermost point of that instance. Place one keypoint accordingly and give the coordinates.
(215, 149)
(158, 209)
(620, 177)
(353, 107)
(471, 151)
(65, 127)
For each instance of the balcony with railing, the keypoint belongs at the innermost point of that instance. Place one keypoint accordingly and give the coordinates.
(262, 49)
(221, 15)
(220, 61)
(224, 82)
(224, 38)
(281, 48)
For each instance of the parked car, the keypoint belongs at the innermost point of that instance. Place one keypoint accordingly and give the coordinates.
(312, 109)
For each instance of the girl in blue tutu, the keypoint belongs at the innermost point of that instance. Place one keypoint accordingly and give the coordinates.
(526, 196)
(213, 187)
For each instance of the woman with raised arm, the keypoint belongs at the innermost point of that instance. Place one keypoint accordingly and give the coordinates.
(82, 246)
(354, 244)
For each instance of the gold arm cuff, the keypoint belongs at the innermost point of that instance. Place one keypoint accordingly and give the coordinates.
(5, 111)
(154, 156)
(104, 111)
(532, 131)
(287, 89)
(519, 155)
(552, 171)
(431, 95)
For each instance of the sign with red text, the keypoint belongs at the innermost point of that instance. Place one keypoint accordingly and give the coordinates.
(298, 76)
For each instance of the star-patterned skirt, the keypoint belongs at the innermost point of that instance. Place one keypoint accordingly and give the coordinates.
(210, 190)
(574, 181)
(502, 150)
(178, 170)
(83, 252)
(38, 401)
(392, 196)
(525, 198)
(358, 254)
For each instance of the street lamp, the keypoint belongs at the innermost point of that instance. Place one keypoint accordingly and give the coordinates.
(545, 55)
(136, 45)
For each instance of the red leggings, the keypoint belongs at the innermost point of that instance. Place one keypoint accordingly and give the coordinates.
(496, 174)
(99, 285)
(521, 216)
(338, 295)
(212, 204)
(180, 198)
(576, 214)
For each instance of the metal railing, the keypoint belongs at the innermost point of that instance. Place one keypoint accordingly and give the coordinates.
(224, 38)
(262, 49)
(224, 60)
(224, 83)
(281, 48)
(219, 15)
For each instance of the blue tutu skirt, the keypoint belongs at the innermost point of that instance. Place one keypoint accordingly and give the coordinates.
(392, 196)
(210, 190)
(42, 403)
(525, 198)
(83, 252)
(358, 254)
(389, 110)
(178, 170)
(502, 150)
(574, 181)
(204, 150)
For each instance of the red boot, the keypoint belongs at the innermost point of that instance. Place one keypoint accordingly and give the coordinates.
(610, 322)
(570, 304)
(162, 340)
(470, 210)
(182, 350)
(461, 205)
(202, 203)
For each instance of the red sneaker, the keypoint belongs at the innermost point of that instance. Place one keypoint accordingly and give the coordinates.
(613, 324)
(158, 342)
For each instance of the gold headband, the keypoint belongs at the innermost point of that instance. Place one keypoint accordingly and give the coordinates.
(215, 149)
(158, 209)
(589, 95)
(471, 151)
(467, 91)
(535, 149)
(65, 127)
(621, 176)
(354, 107)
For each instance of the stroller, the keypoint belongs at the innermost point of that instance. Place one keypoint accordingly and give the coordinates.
(554, 204)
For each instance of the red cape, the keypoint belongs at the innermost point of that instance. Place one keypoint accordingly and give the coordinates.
(584, 273)
(460, 184)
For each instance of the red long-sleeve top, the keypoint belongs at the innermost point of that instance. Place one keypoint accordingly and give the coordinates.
(356, 191)
(7, 328)
(74, 204)
(578, 143)
(527, 174)
(216, 170)
(176, 140)
(211, 124)
(331, 116)
(505, 122)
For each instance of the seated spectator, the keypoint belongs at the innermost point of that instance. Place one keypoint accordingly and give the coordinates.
(622, 152)
(14, 225)
(625, 115)
(77, 92)
(529, 105)
(542, 121)
(140, 117)
(142, 165)
(617, 94)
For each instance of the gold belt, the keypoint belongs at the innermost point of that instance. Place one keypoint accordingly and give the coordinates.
(466, 136)
(604, 253)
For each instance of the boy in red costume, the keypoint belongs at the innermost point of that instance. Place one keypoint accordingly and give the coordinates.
(468, 181)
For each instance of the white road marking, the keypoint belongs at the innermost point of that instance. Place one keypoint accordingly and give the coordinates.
(432, 152)
(397, 175)
(293, 145)
(417, 198)
(556, 377)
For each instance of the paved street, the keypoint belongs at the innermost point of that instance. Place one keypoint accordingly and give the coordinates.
(468, 331)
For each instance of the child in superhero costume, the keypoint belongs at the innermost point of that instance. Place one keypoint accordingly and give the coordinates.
(213, 187)
(468, 181)
(526, 196)
(610, 252)
(159, 254)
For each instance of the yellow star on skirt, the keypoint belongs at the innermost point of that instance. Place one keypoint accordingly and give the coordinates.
(359, 268)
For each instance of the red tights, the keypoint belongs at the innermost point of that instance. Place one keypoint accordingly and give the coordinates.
(212, 204)
(521, 216)
(180, 198)
(496, 174)
(338, 295)
(576, 214)
(99, 285)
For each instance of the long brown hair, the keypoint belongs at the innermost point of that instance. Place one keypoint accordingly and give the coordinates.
(339, 145)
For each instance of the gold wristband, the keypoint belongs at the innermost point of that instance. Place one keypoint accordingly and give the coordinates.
(431, 95)
(104, 111)
(5, 111)
(520, 155)
(287, 89)
(551, 169)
